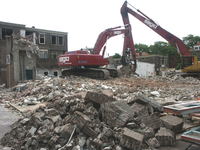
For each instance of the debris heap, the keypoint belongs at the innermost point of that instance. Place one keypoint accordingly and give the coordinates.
(77, 115)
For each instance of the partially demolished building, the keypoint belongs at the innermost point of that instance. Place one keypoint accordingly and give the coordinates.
(26, 51)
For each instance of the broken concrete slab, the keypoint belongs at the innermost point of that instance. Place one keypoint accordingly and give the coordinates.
(165, 137)
(131, 139)
(172, 122)
(150, 101)
(98, 97)
(152, 121)
(113, 115)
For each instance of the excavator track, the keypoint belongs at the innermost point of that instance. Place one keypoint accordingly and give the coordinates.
(94, 73)
(114, 73)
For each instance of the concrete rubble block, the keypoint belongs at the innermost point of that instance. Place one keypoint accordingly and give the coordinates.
(51, 112)
(172, 122)
(148, 132)
(32, 131)
(152, 121)
(36, 119)
(66, 131)
(113, 115)
(165, 137)
(98, 97)
(125, 107)
(150, 101)
(153, 142)
(132, 125)
(107, 132)
(57, 120)
(53, 141)
(81, 119)
(78, 107)
(24, 121)
(139, 109)
(69, 119)
(97, 142)
(91, 112)
(89, 131)
(108, 93)
(131, 139)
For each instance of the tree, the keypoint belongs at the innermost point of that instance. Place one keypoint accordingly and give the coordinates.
(116, 55)
(141, 48)
(191, 40)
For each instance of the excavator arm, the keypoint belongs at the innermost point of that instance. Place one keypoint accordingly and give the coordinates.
(105, 35)
(175, 41)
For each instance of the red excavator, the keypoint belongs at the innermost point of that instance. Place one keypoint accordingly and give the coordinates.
(189, 63)
(86, 63)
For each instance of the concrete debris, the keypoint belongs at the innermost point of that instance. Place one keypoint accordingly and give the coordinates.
(165, 137)
(172, 122)
(80, 113)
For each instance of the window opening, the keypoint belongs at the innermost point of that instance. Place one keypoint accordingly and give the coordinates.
(55, 54)
(53, 39)
(60, 40)
(43, 54)
(46, 73)
(42, 39)
(5, 32)
(55, 73)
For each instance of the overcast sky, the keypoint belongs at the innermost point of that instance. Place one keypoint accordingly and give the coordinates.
(84, 20)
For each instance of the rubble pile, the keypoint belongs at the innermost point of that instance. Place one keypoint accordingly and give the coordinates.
(81, 113)
(93, 122)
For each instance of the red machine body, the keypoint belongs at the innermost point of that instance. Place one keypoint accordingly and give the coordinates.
(93, 59)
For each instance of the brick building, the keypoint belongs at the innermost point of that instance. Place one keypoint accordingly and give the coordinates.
(17, 42)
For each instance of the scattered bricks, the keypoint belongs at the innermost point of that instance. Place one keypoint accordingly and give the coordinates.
(32, 131)
(66, 131)
(150, 101)
(78, 107)
(132, 125)
(53, 141)
(108, 93)
(98, 98)
(153, 142)
(96, 142)
(24, 121)
(89, 131)
(172, 122)
(147, 132)
(113, 115)
(91, 112)
(152, 121)
(81, 119)
(131, 139)
(57, 120)
(165, 137)
(107, 132)
(51, 112)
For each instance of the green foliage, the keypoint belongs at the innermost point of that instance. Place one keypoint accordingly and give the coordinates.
(191, 40)
(141, 48)
(116, 55)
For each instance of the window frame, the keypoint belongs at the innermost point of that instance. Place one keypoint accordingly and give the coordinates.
(52, 40)
(57, 53)
(40, 38)
(43, 50)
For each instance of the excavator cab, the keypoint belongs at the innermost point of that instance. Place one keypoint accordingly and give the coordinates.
(190, 64)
